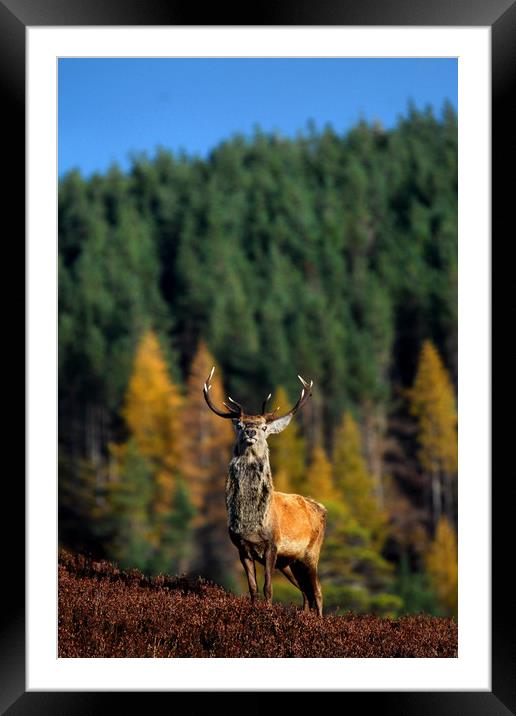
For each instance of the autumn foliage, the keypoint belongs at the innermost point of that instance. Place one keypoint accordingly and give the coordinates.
(163, 504)
(287, 449)
(441, 562)
(354, 481)
(432, 402)
(319, 477)
(145, 505)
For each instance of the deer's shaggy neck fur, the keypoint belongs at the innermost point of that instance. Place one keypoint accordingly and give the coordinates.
(249, 488)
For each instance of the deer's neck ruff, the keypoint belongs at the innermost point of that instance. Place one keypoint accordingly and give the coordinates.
(249, 491)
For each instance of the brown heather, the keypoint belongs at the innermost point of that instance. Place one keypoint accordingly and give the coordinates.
(106, 612)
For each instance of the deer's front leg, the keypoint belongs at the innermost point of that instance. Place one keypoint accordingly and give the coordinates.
(269, 564)
(250, 571)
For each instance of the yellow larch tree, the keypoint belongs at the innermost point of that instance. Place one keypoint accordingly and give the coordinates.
(356, 573)
(319, 477)
(281, 480)
(354, 482)
(432, 402)
(152, 411)
(287, 449)
(146, 502)
(442, 566)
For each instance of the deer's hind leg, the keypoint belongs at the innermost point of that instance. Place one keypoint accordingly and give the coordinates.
(305, 585)
(287, 571)
(316, 588)
(306, 575)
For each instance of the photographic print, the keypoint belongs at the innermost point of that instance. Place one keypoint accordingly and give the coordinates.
(257, 349)
(35, 38)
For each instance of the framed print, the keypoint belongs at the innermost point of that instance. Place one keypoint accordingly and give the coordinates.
(38, 39)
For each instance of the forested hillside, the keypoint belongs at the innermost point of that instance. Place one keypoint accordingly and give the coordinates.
(333, 256)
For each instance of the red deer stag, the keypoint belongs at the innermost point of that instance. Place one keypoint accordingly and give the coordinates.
(276, 529)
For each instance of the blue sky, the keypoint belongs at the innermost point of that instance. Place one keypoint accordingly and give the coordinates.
(109, 108)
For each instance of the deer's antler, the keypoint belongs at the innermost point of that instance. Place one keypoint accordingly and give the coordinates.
(306, 392)
(235, 414)
(265, 403)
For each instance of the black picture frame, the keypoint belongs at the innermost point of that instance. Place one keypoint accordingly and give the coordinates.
(500, 15)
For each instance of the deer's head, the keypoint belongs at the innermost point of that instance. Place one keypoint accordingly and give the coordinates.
(252, 431)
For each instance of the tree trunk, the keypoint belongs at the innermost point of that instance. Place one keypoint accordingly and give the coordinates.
(374, 433)
(436, 497)
(449, 502)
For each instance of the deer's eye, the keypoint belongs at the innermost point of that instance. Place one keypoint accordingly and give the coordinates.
(264, 427)
(240, 426)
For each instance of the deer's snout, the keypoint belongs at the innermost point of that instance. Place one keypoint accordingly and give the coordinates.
(250, 433)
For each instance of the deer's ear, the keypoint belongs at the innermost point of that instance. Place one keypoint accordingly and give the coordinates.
(276, 426)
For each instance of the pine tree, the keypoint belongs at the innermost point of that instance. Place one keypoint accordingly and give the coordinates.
(110, 294)
(441, 563)
(287, 449)
(354, 573)
(129, 513)
(207, 441)
(432, 402)
(416, 590)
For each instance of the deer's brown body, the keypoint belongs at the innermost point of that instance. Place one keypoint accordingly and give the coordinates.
(276, 529)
